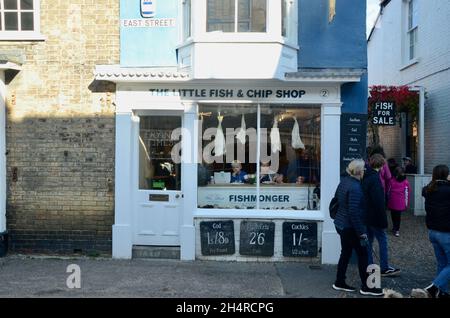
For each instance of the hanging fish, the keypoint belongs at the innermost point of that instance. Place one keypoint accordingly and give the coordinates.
(296, 140)
(275, 140)
(241, 134)
(219, 141)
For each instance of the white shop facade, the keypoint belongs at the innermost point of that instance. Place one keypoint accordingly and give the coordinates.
(173, 184)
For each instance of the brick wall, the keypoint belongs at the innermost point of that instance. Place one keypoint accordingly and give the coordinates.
(60, 132)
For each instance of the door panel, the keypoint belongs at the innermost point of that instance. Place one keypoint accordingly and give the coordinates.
(158, 196)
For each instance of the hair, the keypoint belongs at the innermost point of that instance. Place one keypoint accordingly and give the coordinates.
(399, 174)
(376, 161)
(355, 167)
(392, 164)
(440, 173)
(378, 150)
(236, 164)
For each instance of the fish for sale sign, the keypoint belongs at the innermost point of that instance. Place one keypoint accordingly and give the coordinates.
(383, 113)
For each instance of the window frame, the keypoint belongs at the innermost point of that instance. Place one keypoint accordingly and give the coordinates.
(411, 30)
(19, 35)
(236, 20)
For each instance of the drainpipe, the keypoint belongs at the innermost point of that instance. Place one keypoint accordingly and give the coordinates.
(3, 233)
(421, 130)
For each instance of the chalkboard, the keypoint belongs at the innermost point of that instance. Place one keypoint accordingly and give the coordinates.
(353, 138)
(217, 237)
(300, 239)
(383, 113)
(257, 238)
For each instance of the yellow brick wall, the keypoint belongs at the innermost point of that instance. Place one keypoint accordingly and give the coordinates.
(60, 131)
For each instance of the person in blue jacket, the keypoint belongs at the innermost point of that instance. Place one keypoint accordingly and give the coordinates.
(350, 226)
(237, 174)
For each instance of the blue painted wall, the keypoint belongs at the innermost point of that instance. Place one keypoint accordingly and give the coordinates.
(148, 46)
(339, 44)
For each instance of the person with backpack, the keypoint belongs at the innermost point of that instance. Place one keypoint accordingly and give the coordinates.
(349, 223)
(399, 192)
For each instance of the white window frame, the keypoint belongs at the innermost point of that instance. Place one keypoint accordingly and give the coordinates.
(273, 32)
(19, 35)
(187, 19)
(412, 30)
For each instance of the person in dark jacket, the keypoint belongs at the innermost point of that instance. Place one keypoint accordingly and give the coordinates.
(376, 217)
(349, 223)
(437, 207)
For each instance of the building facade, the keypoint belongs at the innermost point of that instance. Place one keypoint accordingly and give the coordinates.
(406, 47)
(217, 128)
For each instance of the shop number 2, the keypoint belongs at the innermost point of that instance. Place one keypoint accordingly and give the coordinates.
(257, 238)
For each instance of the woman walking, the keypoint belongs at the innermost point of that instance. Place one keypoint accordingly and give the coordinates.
(399, 192)
(350, 226)
(437, 207)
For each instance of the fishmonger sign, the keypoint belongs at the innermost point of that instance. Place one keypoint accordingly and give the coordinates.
(383, 113)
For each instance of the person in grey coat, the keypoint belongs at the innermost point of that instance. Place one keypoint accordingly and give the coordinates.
(350, 226)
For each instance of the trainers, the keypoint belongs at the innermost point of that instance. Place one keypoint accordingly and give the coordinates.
(442, 294)
(371, 291)
(344, 287)
(432, 291)
(391, 271)
(397, 233)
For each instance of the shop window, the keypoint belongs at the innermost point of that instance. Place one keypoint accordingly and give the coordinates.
(236, 15)
(268, 157)
(19, 19)
(157, 168)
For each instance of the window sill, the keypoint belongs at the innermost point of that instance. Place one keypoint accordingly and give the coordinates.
(409, 64)
(239, 40)
(308, 215)
(20, 36)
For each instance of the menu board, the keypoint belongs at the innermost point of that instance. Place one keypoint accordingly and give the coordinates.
(217, 237)
(353, 138)
(257, 238)
(300, 239)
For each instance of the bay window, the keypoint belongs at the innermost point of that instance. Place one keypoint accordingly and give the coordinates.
(259, 157)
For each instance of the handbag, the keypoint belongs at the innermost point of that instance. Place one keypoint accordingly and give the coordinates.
(333, 208)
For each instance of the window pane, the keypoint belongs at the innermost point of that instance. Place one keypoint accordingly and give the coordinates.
(284, 18)
(290, 157)
(26, 4)
(187, 19)
(11, 23)
(220, 15)
(157, 169)
(10, 4)
(252, 15)
(27, 21)
(227, 174)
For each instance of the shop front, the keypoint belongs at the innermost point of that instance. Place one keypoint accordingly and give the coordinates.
(226, 170)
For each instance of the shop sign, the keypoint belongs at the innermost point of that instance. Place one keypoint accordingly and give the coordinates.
(257, 238)
(353, 137)
(217, 237)
(300, 239)
(231, 93)
(384, 113)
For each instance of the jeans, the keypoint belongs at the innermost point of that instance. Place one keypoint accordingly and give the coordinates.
(441, 245)
(380, 234)
(349, 242)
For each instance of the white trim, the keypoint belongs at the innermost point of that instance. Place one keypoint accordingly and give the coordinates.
(313, 215)
(409, 64)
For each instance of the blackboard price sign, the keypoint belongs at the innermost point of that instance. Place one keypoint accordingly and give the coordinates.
(257, 238)
(299, 239)
(353, 137)
(217, 237)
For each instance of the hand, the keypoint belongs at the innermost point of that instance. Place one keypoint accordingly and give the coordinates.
(363, 240)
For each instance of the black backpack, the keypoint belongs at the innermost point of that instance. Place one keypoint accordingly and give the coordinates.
(334, 206)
